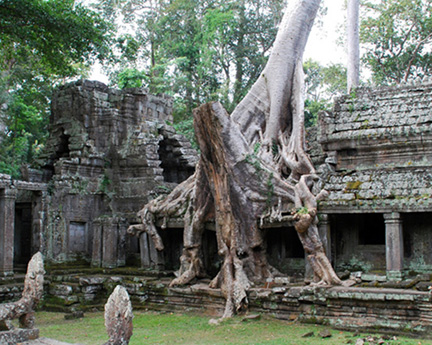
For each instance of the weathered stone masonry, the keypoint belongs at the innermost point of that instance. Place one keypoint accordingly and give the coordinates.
(20, 238)
(109, 152)
(378, 145)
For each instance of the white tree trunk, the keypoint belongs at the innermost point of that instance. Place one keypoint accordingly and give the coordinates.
(267, 103)
(353, 42)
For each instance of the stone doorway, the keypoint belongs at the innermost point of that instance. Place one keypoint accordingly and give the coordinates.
(284, 250)
(358, 242)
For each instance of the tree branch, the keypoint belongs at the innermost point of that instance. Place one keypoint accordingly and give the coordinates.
(414, 55)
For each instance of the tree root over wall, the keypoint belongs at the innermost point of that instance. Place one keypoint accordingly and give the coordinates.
(253, 165)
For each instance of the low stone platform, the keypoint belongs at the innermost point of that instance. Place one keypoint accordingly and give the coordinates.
(396, 310)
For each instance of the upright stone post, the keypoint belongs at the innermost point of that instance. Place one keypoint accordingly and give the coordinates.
(325, 235)
(97, 243)
(144, 250)
(7, 227)
(38, 223)
(394, 245)
(110, 238)
(118, 317)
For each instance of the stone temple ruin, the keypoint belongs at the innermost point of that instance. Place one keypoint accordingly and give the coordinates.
(110, 152)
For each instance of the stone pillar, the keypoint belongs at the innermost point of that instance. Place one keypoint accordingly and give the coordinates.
(325, 235)
(97, 244)
(394, 245)
(110, 238)
(144, 250)
(38, 222)
(150, 256)
(7, 228)
(109, 241)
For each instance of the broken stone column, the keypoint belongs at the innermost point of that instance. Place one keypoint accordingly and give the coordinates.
(394, 245)
(118, 317)
(7, 226)
(24, 308)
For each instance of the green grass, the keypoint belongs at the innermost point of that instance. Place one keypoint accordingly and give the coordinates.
(154, 328)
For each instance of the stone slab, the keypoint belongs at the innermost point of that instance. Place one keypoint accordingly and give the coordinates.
(18, 336)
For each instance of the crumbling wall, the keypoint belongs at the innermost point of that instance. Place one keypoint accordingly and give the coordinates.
(104, 155)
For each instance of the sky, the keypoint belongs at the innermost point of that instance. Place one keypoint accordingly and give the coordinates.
(322, 44)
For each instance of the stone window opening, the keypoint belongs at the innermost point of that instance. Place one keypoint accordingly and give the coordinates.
(284, 250)
(372, 231)
(63, 146)
(175, 169)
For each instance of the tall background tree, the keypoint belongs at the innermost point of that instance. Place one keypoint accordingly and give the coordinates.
(196, 50)
(322, 84)
(397, 36)
(42, 43)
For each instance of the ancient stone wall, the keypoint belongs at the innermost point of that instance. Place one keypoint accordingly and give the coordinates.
(106, 154)
(380, 127)
(378, 147)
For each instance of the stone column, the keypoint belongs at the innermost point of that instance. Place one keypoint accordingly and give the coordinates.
(38, 222)
(394, 245)
(324, 232)
(97, 244)
(7, 228)
(144, 250)
(110, 238)
(150, 256)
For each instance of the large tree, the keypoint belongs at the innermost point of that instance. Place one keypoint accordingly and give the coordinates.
(253, 167)
(397, 35)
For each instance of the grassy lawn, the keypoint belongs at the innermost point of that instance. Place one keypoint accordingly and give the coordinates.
(153, 328)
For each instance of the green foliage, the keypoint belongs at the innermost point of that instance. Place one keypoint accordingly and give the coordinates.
(355, 264)
(397, 35)
(322, 84)
(253, 160)
(57, 32)
(186, 128)
(42, 42)
(313, 108)
(302, 210)
(131, 77)
(25, 133)
(196, 51)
